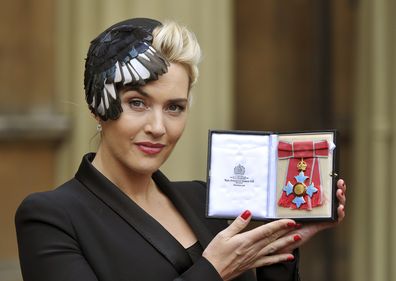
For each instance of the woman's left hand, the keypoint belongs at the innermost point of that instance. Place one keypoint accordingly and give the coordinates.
(307, 230)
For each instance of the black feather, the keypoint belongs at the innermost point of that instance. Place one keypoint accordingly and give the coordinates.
(120, 43)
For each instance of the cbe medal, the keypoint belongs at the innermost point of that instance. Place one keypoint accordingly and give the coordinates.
(299, 189)
(302, 189)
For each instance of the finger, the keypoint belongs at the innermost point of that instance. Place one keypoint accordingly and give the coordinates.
(269, 260)
(341, 212)
(282, 243)
(271, 231)
(341, 185)
(260, 237)
(266, 242)
(341, 197)
(238, 224)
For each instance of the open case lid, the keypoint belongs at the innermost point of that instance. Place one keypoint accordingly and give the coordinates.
(274, 175)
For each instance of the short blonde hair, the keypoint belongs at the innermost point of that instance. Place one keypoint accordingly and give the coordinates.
(178, 45)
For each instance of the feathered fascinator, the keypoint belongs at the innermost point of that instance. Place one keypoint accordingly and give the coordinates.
(122, 54)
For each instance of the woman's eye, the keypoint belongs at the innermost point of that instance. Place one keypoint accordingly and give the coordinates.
(175, 108)
(137, 104)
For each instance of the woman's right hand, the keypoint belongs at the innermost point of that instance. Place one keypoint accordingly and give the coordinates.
(232, 253)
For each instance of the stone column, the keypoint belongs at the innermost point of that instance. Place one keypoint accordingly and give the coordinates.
(373, 192)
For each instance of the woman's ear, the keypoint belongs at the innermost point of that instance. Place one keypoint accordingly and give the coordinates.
(99, 123)
(96, 117)
(99, 128)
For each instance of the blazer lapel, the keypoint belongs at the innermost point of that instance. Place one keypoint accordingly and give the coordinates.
(135, 216)
(193, 219)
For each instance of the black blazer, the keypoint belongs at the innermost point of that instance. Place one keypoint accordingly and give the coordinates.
(88, 230)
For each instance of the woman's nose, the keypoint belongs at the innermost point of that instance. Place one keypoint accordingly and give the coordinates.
(155, 124)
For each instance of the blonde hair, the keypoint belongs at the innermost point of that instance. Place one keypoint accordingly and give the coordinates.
(178, 45)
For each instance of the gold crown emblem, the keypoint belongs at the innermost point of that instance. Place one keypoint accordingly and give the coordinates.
(302, 165)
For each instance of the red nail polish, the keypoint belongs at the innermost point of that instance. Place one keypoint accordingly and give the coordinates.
(291, 224)
(342, 208)
(298, 225)
(246, 214)
(297, 238)
(290, 258)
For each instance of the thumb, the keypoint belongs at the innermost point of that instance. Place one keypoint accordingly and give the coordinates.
(238, 224)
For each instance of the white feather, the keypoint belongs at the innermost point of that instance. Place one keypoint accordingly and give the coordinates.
(144, 56)
(140, 69)
(106, 98)
(93, 102)
(111, 90)
(127, 75)
(101, 108)
(152, 49)
(137, 78)
(118, 76)
(150, 52)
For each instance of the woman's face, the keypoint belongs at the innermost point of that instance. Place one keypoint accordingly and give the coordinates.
(152, 121)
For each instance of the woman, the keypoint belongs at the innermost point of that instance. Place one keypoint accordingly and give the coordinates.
(120, 218)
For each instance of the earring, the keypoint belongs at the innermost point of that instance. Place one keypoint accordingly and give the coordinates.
(98, 128)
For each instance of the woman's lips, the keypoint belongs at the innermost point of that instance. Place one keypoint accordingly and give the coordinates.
(150, 148)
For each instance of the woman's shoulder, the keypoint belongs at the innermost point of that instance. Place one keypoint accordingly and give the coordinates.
(63, 191)
(51, 201)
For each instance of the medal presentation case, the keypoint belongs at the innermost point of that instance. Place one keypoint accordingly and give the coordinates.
(274, 175)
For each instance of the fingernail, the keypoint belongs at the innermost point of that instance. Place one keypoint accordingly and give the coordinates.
(342, 208)
(291, 224)
(297, 238)
(290, 258)
(342, 193)
(298, 225)
(246, 214)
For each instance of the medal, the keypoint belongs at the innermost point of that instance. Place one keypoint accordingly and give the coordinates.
(302, 189)
(299, 189)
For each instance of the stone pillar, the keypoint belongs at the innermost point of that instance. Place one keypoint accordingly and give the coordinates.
(374, 195)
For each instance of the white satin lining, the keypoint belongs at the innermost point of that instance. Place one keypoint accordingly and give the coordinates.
(230, 193)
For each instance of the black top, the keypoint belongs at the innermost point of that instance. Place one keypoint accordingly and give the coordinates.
(195, 251)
